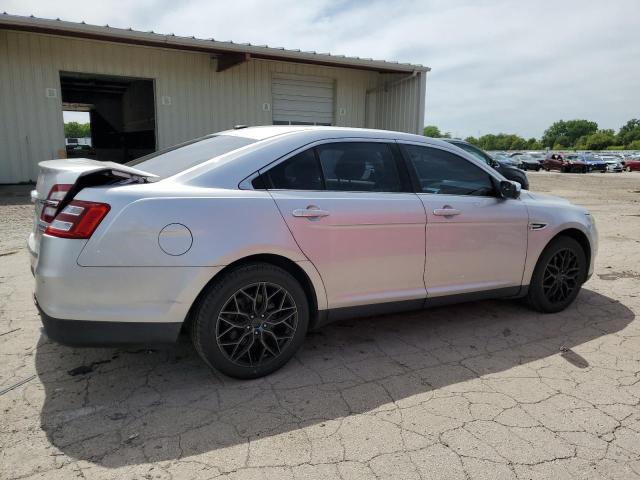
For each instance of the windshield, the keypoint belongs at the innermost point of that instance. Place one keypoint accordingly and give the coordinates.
(176, 159)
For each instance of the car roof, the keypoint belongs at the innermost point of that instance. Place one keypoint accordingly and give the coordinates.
(269, 131)
(277, 141)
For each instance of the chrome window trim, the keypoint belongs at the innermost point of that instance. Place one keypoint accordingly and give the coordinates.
(246, 184)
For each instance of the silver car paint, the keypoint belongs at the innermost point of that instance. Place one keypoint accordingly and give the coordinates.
(370, 249)
(481, 248)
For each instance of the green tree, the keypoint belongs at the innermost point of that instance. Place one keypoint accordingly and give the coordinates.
(534, 144)
(77, 130)
(600, 140)
(517, 143)
(472, 140)
(566, 134)
(501, 141)
(581, 143)
(434, 132)
(629, 132)
(635, 145)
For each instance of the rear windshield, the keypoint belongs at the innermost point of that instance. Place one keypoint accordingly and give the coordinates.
(178, 158)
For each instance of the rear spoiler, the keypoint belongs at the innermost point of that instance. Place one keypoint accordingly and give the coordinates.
(106, 176)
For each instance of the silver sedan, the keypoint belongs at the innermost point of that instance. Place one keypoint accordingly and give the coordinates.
(251, 237)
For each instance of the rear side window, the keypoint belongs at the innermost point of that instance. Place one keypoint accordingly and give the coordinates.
(300, 172)
(340, 166)
(445, 173)
(359, 167)
(176, 159)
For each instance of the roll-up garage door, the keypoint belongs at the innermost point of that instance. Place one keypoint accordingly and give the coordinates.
(302, 100)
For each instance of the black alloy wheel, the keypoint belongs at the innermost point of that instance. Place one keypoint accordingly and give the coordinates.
(250, 321)
(561, 276)
(558, 276)
(256, 323)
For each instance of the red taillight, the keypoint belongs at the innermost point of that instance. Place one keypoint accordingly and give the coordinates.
(56, 194)
(79, 219)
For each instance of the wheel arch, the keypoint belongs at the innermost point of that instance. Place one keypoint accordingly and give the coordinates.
(577, 235)
(280, 261)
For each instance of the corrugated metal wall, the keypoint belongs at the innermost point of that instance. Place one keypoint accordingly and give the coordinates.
(400, 102)
(197, 100)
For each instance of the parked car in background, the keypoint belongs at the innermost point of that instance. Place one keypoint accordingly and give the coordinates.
(506, 167)
(502, 157)
(525, 161)
(556, 161)
(632, 164)
(79, 151)
(249, 238)
(614, 163)
(592, 162)
(537, 156)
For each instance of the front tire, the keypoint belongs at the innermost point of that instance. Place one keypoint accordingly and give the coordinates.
(251, 321)
(558, 276)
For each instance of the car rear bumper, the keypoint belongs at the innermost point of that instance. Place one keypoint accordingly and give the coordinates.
(88, 333)
(93, 306)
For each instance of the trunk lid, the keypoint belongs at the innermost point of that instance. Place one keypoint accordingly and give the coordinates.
(78, 173)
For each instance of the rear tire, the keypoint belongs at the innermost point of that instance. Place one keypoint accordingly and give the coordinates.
(251, 321)
(559, 274)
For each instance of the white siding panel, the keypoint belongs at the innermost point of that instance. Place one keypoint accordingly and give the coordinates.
(202, 100)
(400, 105)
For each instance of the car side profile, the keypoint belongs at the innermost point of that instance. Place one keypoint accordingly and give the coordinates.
(251, 237)
(565, 164)
(632, 164)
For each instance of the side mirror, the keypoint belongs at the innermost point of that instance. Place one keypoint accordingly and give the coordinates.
(509, 189)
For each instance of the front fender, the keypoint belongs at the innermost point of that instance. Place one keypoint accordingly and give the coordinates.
(556, 221)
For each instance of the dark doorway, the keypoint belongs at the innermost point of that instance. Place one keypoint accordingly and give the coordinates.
(121, 112)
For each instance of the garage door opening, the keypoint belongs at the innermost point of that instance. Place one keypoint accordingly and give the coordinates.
(121, 115)
(302, 100)
(77, 131)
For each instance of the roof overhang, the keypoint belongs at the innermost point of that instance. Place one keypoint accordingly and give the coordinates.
(211, 46)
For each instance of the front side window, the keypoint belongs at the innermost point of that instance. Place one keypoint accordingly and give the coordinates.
(445, 173)
(476, 152)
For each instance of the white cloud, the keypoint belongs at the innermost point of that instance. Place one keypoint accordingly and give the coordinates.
(498, 65)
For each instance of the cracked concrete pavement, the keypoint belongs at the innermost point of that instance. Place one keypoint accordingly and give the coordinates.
(481, 390)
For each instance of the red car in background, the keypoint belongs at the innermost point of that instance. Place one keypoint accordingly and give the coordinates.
(631, 164)
(555, 161)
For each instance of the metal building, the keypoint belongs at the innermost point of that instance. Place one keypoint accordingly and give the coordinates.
(145, 91)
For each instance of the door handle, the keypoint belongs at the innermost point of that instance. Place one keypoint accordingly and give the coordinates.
(310, 212)
(446, 212)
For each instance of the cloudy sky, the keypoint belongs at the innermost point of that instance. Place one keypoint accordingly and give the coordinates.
(497, 65)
